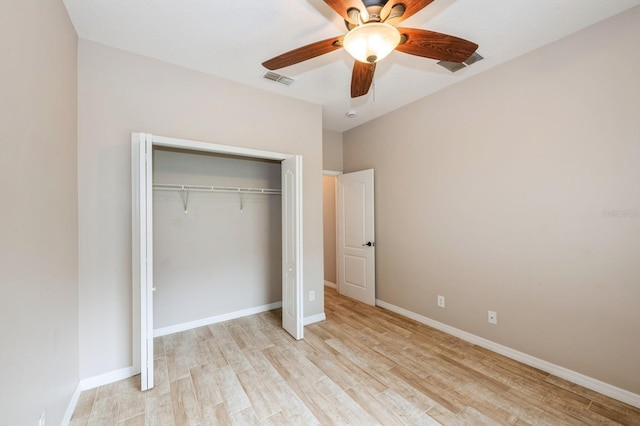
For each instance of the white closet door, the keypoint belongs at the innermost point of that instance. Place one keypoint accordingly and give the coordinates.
(142, 248)
(292, 311)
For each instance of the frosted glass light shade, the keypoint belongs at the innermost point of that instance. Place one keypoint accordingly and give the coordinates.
(371, 42)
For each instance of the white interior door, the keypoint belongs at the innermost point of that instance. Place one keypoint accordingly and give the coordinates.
(142, 251)
(292, 320)
(356, 237)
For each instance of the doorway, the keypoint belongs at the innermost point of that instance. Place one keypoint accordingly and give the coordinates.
(351, 242)
(142, 238)
(329, 230)
(217, 243)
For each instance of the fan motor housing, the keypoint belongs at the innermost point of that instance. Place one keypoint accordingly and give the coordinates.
(380, 3)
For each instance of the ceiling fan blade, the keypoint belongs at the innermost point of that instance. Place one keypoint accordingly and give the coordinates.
(429, 44)
(410, 7)
(342, 7)
(361, 78)
(303, 53)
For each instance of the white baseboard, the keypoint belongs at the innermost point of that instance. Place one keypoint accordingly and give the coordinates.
(314, 318)
(72, 406)
(215, 319)
(105, 379)
(226, 317)
(330, 284)
(564, 373)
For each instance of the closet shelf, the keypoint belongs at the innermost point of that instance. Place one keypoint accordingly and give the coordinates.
(203, 188)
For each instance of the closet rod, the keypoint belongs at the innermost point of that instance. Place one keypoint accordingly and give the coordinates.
(203, 188)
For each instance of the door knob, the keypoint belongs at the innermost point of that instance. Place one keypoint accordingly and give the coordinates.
(370, 244)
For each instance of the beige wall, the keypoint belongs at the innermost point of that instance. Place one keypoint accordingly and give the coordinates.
(38, 226)
(331, 150)
(329, 227)
(120, 93)
(493, 194)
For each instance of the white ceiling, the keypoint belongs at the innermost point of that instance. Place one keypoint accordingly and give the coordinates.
(231, 39)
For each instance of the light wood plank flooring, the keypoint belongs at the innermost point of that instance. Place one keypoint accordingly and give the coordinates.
(361, 366)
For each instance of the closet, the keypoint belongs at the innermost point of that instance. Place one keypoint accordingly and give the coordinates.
(216, 234)
(216, 237)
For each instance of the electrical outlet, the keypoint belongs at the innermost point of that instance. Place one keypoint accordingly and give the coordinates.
(493, 317)
(42, 419)
(312, 295)
(441, 301)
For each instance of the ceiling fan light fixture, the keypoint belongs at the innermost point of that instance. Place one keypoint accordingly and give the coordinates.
(371, 42)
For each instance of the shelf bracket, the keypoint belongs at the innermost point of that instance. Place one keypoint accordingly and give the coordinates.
(185, 200)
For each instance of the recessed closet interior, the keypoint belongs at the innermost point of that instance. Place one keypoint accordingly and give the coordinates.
(217, 244)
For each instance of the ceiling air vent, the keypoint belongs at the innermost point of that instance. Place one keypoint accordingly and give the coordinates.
(278, 78)
(457, 66)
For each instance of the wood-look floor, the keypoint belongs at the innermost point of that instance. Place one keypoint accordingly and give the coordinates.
(361, 366)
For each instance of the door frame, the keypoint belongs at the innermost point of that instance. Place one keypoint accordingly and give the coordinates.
(142, 238)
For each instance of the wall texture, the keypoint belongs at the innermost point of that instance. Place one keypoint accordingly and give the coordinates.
(120, 93)
(518, 190)
(225, 254)
(38, 226)
(331, 150)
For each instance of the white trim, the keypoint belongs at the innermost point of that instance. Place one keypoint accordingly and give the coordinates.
(330, 284)
(562, 372)
(336, 218)
(72, 406)
(331, 173)
(314, 318)
(107, 378)
(221, 149)
(215, 319)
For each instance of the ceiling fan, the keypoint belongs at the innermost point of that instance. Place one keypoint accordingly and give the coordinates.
(373, 35)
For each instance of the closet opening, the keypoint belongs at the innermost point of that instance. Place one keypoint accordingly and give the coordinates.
(216, 235)
(217, 243)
